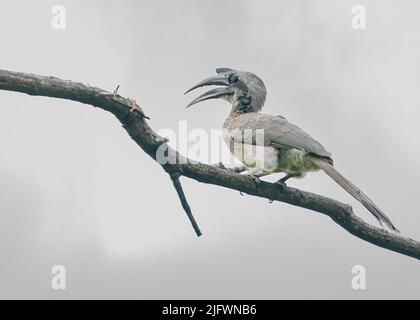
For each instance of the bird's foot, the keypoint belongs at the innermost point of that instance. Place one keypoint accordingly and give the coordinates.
(238, 169)
(254, 174)
(282, 182)
(281, 185)
(220, 165)
(256, 180)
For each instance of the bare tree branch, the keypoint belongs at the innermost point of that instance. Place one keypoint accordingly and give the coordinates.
(184, 202)
(133, 120)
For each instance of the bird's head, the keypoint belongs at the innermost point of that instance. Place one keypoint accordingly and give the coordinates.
(240, 88)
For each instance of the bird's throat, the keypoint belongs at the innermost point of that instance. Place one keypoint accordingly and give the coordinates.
(242, 104)
(242, 108)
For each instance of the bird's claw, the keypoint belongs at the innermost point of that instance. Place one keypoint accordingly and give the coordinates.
(220, 165)
(256, 180)
(282, 185)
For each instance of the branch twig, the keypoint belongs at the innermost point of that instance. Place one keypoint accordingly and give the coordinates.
(184, 202)
(133, 120)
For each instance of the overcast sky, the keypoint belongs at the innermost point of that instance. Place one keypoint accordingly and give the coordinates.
(76, 191)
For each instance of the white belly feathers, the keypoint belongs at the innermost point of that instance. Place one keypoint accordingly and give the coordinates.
(265, 158)
(270, 159)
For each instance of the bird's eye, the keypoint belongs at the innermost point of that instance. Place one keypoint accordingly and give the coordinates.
(233, 78)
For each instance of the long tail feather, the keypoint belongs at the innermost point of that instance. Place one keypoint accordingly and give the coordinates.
(353, 190)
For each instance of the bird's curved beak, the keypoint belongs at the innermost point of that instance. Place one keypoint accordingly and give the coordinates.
(218, 80)
(212, 94)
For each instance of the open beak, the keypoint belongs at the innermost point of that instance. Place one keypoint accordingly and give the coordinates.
(212, 94)
(219, 80)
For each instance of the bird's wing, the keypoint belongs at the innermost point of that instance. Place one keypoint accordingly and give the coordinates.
(278, 133)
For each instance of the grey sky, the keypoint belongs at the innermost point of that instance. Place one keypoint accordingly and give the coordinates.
(76, 191)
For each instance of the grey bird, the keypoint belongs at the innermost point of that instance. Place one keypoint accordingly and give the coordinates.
(280, 146)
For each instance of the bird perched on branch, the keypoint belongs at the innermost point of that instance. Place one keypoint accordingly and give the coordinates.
(266, 143)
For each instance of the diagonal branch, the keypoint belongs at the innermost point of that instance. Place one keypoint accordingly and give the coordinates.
(133, 120)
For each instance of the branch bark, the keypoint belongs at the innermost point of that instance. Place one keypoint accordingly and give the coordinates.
(133, 120)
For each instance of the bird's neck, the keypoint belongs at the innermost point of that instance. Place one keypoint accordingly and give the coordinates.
(242, 103)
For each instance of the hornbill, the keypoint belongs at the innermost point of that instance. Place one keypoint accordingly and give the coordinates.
(280, 146)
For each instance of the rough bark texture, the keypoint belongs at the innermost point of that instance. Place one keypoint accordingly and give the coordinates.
(133, 120)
